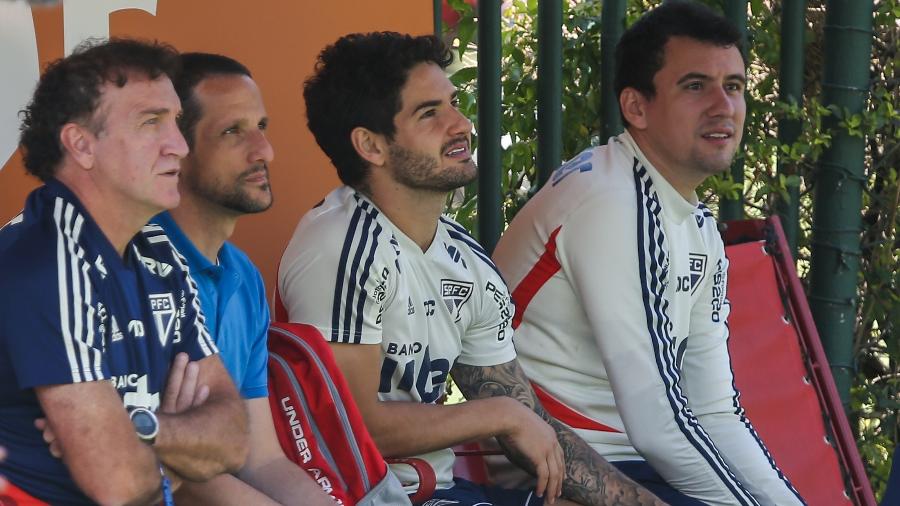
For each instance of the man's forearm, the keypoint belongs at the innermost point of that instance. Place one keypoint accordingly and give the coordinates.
(279, 483)
(204, 441)
(287, 483)
(590, 479)
(396, 425)
(223, 490)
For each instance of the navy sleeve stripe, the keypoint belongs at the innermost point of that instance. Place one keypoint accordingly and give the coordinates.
(350, 296)
(456, 231)
(353, 315)
(339, 282)
(473, 244)
(653, 267)
(363, 294)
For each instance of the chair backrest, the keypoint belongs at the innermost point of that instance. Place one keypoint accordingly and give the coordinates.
(782, 373)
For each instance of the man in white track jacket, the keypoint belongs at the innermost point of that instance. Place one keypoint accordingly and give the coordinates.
(618, 275)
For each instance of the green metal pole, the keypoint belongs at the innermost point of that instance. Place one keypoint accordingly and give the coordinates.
(733, 209)
(612, 19)
(438, 14)
(834, 267)
(793, 26)
(549, 82)
(489, 198)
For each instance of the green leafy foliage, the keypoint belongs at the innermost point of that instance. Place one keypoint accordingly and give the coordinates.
(772, 169)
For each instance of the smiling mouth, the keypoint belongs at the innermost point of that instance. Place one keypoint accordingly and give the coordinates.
(457, 149)
(718, 133)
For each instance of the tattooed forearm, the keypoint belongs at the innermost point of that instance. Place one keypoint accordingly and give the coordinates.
(590, 479)
(504, 379)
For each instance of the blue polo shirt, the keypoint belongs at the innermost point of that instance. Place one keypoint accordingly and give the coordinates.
(233, 298)
(72, 310)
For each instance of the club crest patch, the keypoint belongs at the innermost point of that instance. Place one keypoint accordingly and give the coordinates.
(697, 266)
(164, 312)
(455, 294)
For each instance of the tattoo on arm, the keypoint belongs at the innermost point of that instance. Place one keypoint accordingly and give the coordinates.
(590, 479)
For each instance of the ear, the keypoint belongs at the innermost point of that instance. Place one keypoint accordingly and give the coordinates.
(369, 145)
(78, 142)
(633, 105)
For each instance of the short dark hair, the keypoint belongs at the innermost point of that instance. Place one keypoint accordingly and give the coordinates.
(639, 54)
(196, 67)
(357, 83)
(69, 91)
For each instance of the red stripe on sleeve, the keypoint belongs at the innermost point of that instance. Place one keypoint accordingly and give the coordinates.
(540, 273)
(567, 415)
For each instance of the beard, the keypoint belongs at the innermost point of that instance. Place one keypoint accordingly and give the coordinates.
(235, 196)
(423, 172)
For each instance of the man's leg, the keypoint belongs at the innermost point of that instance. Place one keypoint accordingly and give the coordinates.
(467, 493)
(641, 472)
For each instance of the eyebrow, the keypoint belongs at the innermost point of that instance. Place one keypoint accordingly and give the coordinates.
(425, 105)
(697, 75)
(432, 103)
(241, 121)
(157, 111)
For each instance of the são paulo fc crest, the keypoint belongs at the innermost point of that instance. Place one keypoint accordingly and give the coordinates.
(455, 294)
(697, 264)
(164, 312)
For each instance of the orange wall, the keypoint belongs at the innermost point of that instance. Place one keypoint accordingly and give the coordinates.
(278, 40)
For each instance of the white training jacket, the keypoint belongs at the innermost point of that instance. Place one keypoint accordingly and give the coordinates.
(621, 320)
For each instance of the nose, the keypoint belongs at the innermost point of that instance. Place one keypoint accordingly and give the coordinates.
(175, 143)
(724, 103)
(459, 123)
(262, 149)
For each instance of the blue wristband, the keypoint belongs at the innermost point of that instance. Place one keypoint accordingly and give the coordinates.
(166, 488)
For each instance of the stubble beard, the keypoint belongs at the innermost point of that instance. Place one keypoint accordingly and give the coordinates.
(422, 172)
(235, 197)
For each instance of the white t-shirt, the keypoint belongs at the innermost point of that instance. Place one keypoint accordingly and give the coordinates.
(619, 284)
(355, 276)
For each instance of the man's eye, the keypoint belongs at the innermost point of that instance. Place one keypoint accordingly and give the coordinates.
(696, 85)
(151, 121)
(428, 113)
(231, 130)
